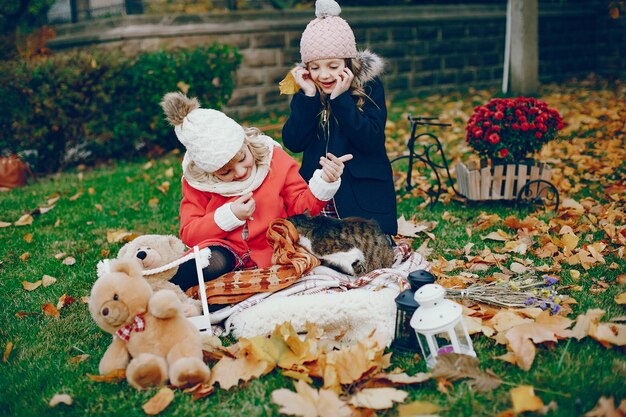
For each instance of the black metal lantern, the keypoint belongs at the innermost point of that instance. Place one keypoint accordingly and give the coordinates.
(404, 338)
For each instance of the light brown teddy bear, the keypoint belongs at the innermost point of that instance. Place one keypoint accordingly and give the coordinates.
(154, 252)
(152, 339)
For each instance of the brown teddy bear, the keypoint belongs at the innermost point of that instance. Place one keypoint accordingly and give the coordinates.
(152, 339)
(154, 252)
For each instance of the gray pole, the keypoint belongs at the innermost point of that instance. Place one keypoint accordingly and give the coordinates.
(524, 47)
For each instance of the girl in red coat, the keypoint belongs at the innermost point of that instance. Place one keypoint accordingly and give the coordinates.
(235, 182)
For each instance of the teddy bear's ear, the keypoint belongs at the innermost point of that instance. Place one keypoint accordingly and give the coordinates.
(306, 212)
(176, 244)
(123, 251)
(127, 267)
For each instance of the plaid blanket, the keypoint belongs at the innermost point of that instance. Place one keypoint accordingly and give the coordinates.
(321, 280)
(289, 262)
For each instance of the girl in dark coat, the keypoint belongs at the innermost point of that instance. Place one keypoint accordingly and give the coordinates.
(341, 109)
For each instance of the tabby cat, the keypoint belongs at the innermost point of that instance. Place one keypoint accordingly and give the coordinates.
(354, 246)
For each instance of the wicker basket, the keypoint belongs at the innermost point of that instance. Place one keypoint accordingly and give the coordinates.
(500, 182)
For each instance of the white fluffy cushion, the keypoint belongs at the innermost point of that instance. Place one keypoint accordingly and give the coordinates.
(345, 316)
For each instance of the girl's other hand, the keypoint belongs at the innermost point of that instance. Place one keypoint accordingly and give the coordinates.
(344, 81)
(243, 207)
(332, 166)
(304, 81)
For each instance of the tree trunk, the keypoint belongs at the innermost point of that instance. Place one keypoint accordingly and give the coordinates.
(524, 47)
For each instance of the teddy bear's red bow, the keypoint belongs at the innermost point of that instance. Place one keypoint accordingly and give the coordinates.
(138, 325)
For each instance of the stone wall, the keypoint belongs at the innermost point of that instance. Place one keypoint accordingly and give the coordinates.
(427, 48)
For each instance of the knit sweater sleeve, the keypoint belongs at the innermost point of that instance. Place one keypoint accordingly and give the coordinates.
(365, 130)
(197, 221)
(301, 126)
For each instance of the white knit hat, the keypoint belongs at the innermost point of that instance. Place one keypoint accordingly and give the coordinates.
(212, 139)
(328, 36)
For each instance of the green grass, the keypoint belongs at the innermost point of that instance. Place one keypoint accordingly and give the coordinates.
(572, 373)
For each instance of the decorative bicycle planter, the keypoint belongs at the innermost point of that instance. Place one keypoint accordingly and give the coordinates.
(522, 183)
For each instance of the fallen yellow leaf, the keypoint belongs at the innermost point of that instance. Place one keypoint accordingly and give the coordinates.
(76, 196)
(50, 310)
(60, 399)
(309, 402)
(25, 220)
(24, 257)
(524, 399)
(417, 408)
(47, 280)
(200, 390)
(164, 187)
(228, 371)
(159, 402)
(69, 261)
(5, 224)
(288, 85)
(116, 236)
(30, 286)
(115, 375)
(7, 352)
(153, 202)
(79, 358)
(378, 398)
(28, 237)
(621, 299)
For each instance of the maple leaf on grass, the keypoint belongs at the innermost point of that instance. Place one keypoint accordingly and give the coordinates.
(114, 376)
(524, 399)
(351, 364)
(309, 402)
(417, 408)
(606, 408)
(228, 371)
(454, 366)
(546, 328)
(378, 398)
(159, 402)
(60, 399)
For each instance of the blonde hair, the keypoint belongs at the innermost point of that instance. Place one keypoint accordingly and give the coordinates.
(357, 90)
(257, 146)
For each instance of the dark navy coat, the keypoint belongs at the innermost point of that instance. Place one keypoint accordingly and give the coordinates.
(367, 188)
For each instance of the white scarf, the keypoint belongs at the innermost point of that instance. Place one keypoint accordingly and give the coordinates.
(210, 183)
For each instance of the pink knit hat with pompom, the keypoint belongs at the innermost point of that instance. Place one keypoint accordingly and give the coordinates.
(328, 36)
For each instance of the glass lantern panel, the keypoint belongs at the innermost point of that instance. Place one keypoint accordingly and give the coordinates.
(465, 343)
(433, 346)
(404, 337)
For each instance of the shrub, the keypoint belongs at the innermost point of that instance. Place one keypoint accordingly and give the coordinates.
(48, 104)
(207, 73)
(512, 129)
(79, 106)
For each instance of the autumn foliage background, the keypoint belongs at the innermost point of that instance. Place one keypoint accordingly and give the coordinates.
(529, 362)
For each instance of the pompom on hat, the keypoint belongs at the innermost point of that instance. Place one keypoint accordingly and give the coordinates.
(211, 138)
(327, 36)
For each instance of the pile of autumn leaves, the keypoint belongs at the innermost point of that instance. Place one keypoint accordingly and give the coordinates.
(354, 381)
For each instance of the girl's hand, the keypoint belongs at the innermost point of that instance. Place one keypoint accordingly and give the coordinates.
(332, 166)
(344, 81)
(304, 81)
(243, 207)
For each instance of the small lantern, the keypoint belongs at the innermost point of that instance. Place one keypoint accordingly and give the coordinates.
(439, 325)
(404, 337)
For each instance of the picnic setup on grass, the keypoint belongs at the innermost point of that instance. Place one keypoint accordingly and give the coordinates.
(163, 258)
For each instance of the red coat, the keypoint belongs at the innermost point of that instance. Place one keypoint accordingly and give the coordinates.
(283, 193)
